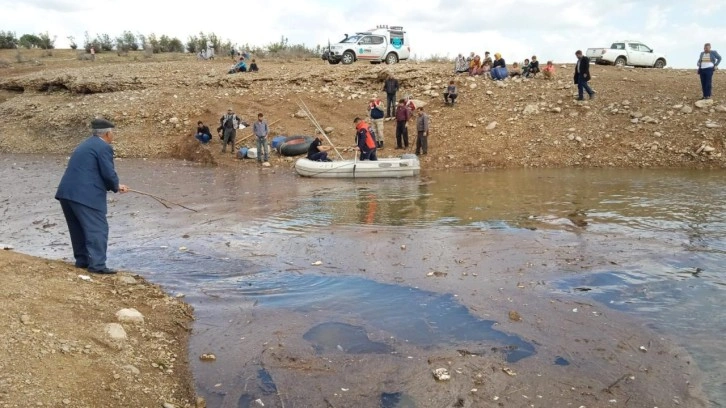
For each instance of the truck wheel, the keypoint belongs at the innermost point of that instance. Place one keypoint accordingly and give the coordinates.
(620, 62)
(391, 58)
(348, 58)
(660, 63)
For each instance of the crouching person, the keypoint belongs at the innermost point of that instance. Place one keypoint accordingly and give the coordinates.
(364, 140)
(450, 94)
(318, 152)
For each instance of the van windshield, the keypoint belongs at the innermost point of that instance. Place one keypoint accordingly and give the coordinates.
(352, 39)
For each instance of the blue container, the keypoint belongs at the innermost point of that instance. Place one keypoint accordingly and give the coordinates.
(277, 141)
(242, 152)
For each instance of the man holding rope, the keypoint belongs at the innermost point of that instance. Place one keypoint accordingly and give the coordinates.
(82, 194)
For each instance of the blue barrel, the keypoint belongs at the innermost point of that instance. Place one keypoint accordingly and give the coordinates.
(277, 141)
(242, 152)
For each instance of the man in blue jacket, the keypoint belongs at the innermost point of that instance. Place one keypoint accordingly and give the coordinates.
(82, 195)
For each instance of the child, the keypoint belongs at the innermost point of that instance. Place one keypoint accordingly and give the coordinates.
(253, 66)
(549, 70)
(450, 93)
(515, 71)
(525, 67)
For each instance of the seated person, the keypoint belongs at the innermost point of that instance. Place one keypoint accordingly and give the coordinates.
(515, 71)
(533, 67)
(475, 66)
(499, 68)
(203, 134)
(253, 66)
(318, 152)
(525, 67)
(240, 67)
(549, 70)
(460, 65)
(450, 93)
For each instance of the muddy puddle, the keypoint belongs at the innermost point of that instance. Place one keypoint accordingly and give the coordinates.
(544, 288)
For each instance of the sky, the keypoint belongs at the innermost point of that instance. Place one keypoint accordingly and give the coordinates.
(550, 29)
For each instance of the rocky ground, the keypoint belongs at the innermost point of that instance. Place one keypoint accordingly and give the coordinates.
(640, 118)
(66, 343)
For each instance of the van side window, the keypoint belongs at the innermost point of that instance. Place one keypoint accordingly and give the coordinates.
(365, 40)
(633, 47)
(618, 46)
(376, 39)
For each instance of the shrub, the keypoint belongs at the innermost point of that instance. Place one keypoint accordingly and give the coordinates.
(72, 41)
(4, 63)
(8, 40)
(29, 41)
(45, 42)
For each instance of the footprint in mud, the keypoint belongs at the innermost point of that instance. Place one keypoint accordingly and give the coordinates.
(396, 400)
(332, 336)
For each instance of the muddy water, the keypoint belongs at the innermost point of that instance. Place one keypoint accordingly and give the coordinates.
(348, 293)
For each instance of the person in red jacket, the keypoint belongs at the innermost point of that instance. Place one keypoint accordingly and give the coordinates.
(364, 140)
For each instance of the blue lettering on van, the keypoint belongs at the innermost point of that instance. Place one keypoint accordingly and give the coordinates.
(397, 42)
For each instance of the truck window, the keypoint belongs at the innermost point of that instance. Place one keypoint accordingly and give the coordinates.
(365, 40)
(633, 47)
(397, 39)
(351, 39)
(376, 39)
(643, 48)
(618, 46)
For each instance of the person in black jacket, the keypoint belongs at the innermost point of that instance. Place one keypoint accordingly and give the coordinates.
(390, 87)
(582, 76)
(203, 134)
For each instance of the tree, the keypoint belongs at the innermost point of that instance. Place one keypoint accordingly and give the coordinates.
(45, 42)
(8, 40)
(129, 40)
(72, 41)
(153, 43)
(104, 41)
(29, 41)
(175, 45)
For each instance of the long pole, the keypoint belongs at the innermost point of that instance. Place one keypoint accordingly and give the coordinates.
(248, 136)
(310, 116)
(161, 200)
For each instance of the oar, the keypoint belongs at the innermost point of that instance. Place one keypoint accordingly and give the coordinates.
(310, 116)
(161, 200)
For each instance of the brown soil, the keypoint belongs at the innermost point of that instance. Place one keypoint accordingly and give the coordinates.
(54, 346)
(48, 102)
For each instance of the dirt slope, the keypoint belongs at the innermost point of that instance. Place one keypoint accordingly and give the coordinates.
(641, 117)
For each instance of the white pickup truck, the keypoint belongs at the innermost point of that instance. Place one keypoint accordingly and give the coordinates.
(626, 52)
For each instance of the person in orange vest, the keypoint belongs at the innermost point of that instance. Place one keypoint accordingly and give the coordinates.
(364, 140)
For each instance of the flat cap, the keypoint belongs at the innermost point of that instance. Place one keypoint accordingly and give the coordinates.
(100, 123)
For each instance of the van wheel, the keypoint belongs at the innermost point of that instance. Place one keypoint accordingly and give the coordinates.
(348, 58)
(391, 58)
(660, 63)
(620, 62)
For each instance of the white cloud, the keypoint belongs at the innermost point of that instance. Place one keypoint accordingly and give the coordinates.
(552, 29)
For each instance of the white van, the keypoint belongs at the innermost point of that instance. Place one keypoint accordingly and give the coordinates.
(383, 43)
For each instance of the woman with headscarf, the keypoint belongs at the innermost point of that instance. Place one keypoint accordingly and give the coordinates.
(475, 66)
(499, 68)
(460, 65)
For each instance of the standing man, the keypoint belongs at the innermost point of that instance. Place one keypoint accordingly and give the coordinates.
(229, 124)
(261, 130)
(364, 140)
(82, 195)
(375, 109)
(582, 76)
(422, 129)
(403, 115)
(390, 87)
(707, 63)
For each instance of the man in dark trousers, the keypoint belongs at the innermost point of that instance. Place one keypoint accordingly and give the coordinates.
(390, 87)
(229, 124)
(422, 132)
(582, 76)
(364, 140)
(82, 195)
(403, 115)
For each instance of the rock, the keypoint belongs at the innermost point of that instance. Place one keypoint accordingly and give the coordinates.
(441, 374)
(686, 109)
(712, 125)
(578, 139)
(703, 103)
(515, 316)
(266, 164)
(491, 126)
(328, 130)
(130, 315)
(418, 103)
(471, 125)
(131, 369)
(708, 149)
(25, 319)
(317, 263)
(174, 120)
(208, 357)
(657, 134)
(635, 120)
(648, 119)
(556, 109)
(473, 86)
(168, 405)
(115, 332)
(721, 108)
(490, 93)
(636, 115)
(530, 109)
(201, 403)
(128, 280)
(300, 114)
(570, 137)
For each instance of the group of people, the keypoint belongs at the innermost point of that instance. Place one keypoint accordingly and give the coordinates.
(241, 66)
(497, 68)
